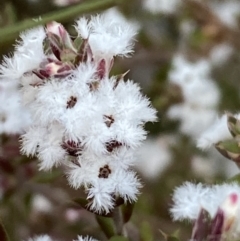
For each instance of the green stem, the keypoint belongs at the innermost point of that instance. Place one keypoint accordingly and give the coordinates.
(10, 33)
(118, 221)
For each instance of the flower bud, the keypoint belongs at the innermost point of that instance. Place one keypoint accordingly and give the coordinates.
(55, 68)
(230, 209)
(233, 125)
(230, 149)
(59, 37)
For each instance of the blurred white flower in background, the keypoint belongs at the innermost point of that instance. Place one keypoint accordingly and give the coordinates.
(200, 94)
(154, 156)
(161, 6)
(220, 54)
(41, 204)
(227, 11)
(14, 117)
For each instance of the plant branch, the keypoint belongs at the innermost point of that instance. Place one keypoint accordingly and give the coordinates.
(118, 221)
(11, 32)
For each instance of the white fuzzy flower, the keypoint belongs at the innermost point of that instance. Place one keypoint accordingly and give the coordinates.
(82, 118)
(107, 35)
(104, 180)
(190, 198)
(27, 56)
(217, 132)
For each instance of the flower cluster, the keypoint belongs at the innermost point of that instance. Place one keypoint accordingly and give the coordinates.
(214, 209)
(82, 118)
(195, 113)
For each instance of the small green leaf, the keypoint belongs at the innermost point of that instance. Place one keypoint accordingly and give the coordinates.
(233, 125)
(231, 146)
(106, 225)
(77, 43)
(67, 55)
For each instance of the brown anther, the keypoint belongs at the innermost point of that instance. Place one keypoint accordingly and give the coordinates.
(111, 145)
(104, 172)
(72, 148)
(108, 120)
(71, 102)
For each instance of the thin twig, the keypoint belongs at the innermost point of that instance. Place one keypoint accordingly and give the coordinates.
(11, 32)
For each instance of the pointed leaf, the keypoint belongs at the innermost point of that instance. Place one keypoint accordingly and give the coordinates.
(217, 226)
(201, 226)
(229, 149)
(106, 225)
(231, 146)
(233, 125)
(77, 43)
(84, 53)
(127, 210)
(67, 55)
